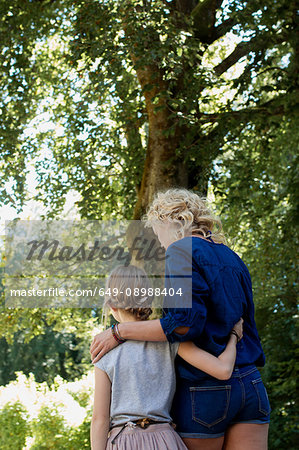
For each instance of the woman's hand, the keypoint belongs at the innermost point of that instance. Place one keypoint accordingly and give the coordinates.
(102, 343)
(238, 328)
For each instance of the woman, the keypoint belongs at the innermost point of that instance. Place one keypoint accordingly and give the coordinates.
(209, 414)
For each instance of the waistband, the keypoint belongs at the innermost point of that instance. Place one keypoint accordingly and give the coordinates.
(238, 372)
(136, 427)
(244, 370)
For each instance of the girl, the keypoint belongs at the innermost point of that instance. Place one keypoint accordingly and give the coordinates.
(209, 414)
(135, 382)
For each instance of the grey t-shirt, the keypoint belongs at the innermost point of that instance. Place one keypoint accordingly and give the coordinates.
(142, 376)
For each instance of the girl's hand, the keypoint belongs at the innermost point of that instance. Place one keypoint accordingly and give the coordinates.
(238, 328)
(102, 343)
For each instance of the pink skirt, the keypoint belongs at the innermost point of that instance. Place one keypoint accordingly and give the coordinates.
(155, 437)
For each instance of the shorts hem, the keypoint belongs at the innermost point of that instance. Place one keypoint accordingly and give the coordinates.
(261, 422)
(200, 435)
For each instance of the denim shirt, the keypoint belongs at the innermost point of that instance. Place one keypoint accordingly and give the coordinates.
(217, 284)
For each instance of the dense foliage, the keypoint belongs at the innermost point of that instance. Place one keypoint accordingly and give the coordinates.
(260, 213)
(46, 417)
(45, 355)
(127, 91)
(14, 428)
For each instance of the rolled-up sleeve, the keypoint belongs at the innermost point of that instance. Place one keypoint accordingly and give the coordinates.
(189, 309)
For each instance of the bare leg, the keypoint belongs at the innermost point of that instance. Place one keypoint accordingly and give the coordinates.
(204, 444)
(248, 436)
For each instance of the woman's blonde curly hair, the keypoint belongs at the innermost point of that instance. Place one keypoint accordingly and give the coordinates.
(189, 213)
(127, 285)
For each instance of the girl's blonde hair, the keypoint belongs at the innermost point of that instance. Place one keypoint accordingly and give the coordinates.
(189, 213)
(129, 289)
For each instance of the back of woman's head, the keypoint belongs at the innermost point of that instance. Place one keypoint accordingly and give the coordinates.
(187, 211)
(129, 288)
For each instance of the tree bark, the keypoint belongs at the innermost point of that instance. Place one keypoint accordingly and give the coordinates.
(163, 168)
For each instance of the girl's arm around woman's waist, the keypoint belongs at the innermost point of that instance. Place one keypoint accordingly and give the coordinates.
(220, 367)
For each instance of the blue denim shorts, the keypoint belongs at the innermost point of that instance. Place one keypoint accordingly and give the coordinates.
(205, 409)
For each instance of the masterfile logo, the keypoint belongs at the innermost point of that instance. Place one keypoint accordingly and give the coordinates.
(67, 263)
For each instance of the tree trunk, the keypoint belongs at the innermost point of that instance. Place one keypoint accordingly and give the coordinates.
(163, 168)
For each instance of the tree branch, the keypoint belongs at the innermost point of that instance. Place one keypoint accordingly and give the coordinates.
(242, 49)
(223, 28)
(204, 17)
(277, 109)
(277, 106)
(182, 6)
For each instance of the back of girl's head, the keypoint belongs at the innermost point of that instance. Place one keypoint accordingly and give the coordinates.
(128, 288)
(187, 211)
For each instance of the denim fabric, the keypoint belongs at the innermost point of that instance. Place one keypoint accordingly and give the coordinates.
(221, 293)
(208, 408)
